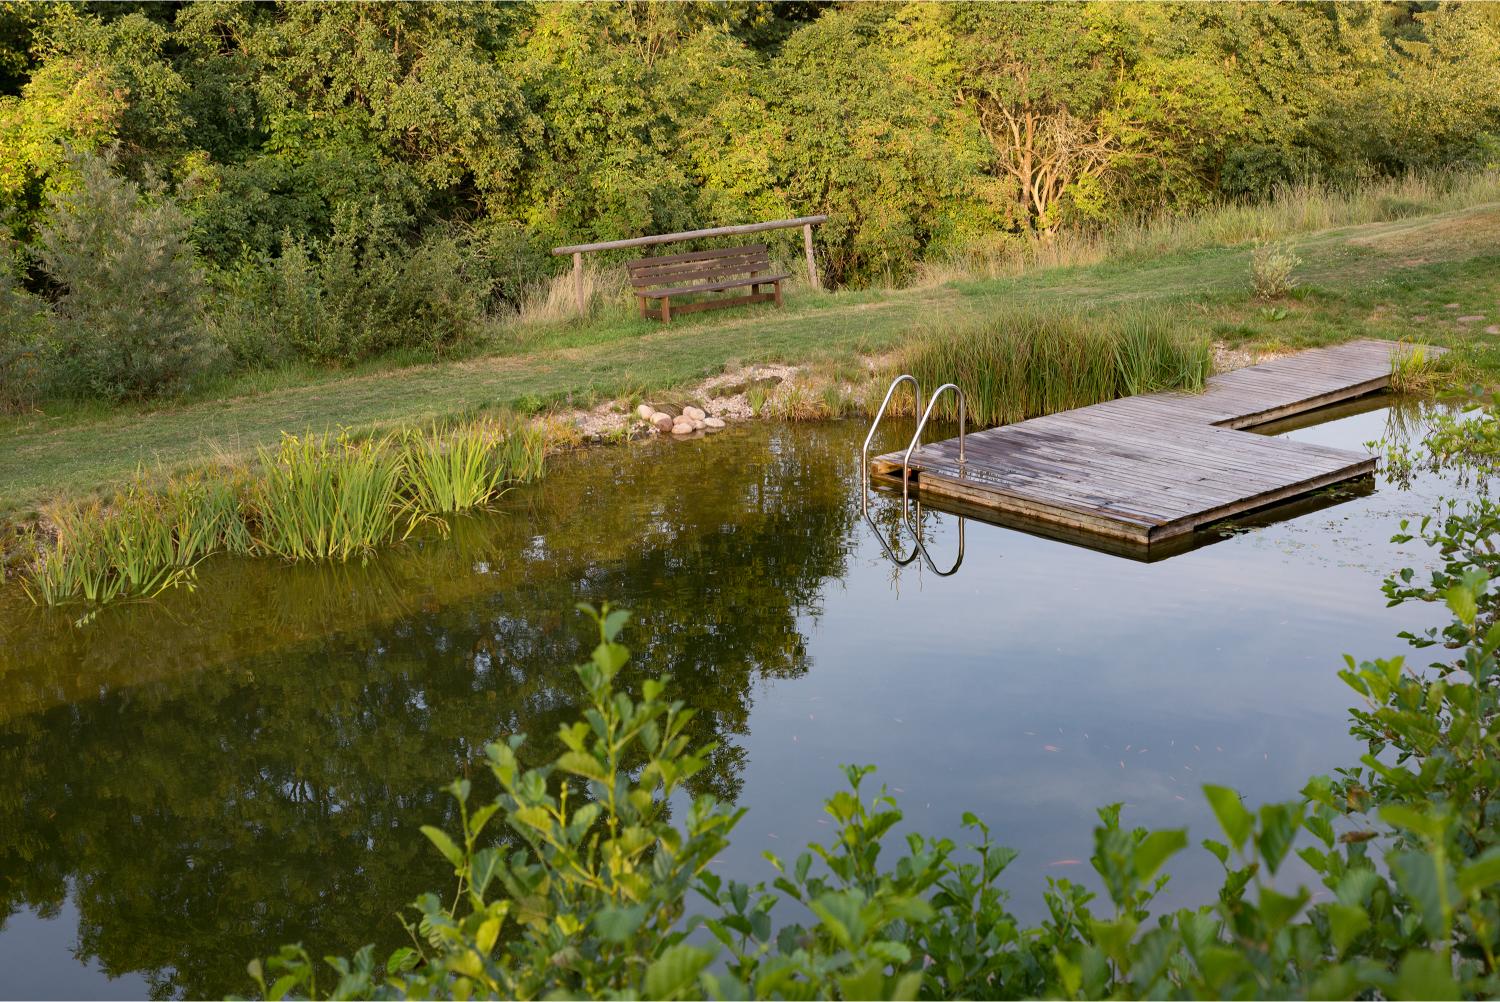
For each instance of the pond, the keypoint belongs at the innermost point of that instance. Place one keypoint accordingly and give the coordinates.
(188, 783)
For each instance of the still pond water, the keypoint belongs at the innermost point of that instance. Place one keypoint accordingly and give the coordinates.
(187, 784)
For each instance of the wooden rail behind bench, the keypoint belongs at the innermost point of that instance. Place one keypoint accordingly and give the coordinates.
(806, 222)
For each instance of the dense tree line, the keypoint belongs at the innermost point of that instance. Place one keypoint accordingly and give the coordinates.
(368, 176)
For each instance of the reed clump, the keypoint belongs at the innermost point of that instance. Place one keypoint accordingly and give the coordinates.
(1415, 370)
(146, 541)
(458, 469)
(313, 497)
(319, 498)
(1040, 361)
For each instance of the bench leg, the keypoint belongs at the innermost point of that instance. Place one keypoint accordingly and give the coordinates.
(778, 293)
(666, 309)
(644, 312)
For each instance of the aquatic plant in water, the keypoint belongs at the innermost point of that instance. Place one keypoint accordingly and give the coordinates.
(319, 497)
(311, 498)
(145, 542)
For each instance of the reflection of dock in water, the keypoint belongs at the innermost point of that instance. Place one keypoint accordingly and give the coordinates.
(1138, 476)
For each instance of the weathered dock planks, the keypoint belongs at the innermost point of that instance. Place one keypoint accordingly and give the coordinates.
(1151, 468)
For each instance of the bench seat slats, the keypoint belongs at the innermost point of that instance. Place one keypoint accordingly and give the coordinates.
(734, 283)
(659, 279)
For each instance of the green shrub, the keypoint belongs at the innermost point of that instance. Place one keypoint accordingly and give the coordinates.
(129, 318)
(1039, 361)
(24, 326)
(359, 293)
(1271, 267)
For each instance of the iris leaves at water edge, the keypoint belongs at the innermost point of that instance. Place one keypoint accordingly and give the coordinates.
(314, 497)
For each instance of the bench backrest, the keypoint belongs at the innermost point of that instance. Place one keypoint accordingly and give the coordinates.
(698, 266)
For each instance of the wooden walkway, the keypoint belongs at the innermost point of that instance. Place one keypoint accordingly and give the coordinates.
(1150, 468)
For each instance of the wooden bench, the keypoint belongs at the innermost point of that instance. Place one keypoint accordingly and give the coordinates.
(675, 275)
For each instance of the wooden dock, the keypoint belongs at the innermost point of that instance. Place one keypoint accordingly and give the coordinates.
(1155, 467)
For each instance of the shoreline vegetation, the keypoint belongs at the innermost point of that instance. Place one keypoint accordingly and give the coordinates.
(1411, 258)
(313, 497)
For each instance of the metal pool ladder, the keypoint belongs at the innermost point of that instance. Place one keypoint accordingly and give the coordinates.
(916, 400)
(919, 549)
(917, 438)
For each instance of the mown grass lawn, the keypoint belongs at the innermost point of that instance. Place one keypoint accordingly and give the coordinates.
(1412, 278)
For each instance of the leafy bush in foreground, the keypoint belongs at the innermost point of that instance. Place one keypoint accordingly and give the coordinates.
(585, 892)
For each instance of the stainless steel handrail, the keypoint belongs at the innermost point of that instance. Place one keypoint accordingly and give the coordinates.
(922, 547)
(864, 453)
(890, 551)
(915, 439)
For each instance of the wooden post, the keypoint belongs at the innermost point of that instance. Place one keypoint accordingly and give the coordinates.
(578, 279)
(812, 265)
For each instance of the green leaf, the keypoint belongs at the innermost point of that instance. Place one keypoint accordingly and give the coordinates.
(840, 916)
(1418, 877)
(401, 959)
(1277, 909)
(1156, 848)
(1219, 849)
(615, 622)
(485, 865)
(1412, 820)
(481, 817)
(1346, 923)
(1233, 818)
(907, 987)
(1425, 975)
(675, 973)
(617, 925)
(445, 845)
(1481, 873)
(865, 983)
(1320, 827)
(1278, 826)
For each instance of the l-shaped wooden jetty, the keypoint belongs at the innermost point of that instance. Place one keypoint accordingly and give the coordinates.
(1149, 468)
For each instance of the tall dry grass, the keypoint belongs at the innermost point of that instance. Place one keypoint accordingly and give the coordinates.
(605, 290)
(1292, 208)
(1039, 361)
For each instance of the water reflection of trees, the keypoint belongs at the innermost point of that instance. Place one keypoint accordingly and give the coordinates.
(248, 764)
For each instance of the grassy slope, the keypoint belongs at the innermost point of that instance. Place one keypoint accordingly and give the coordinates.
(1388, 280)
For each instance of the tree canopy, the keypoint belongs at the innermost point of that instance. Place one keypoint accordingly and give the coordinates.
(917, 127)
